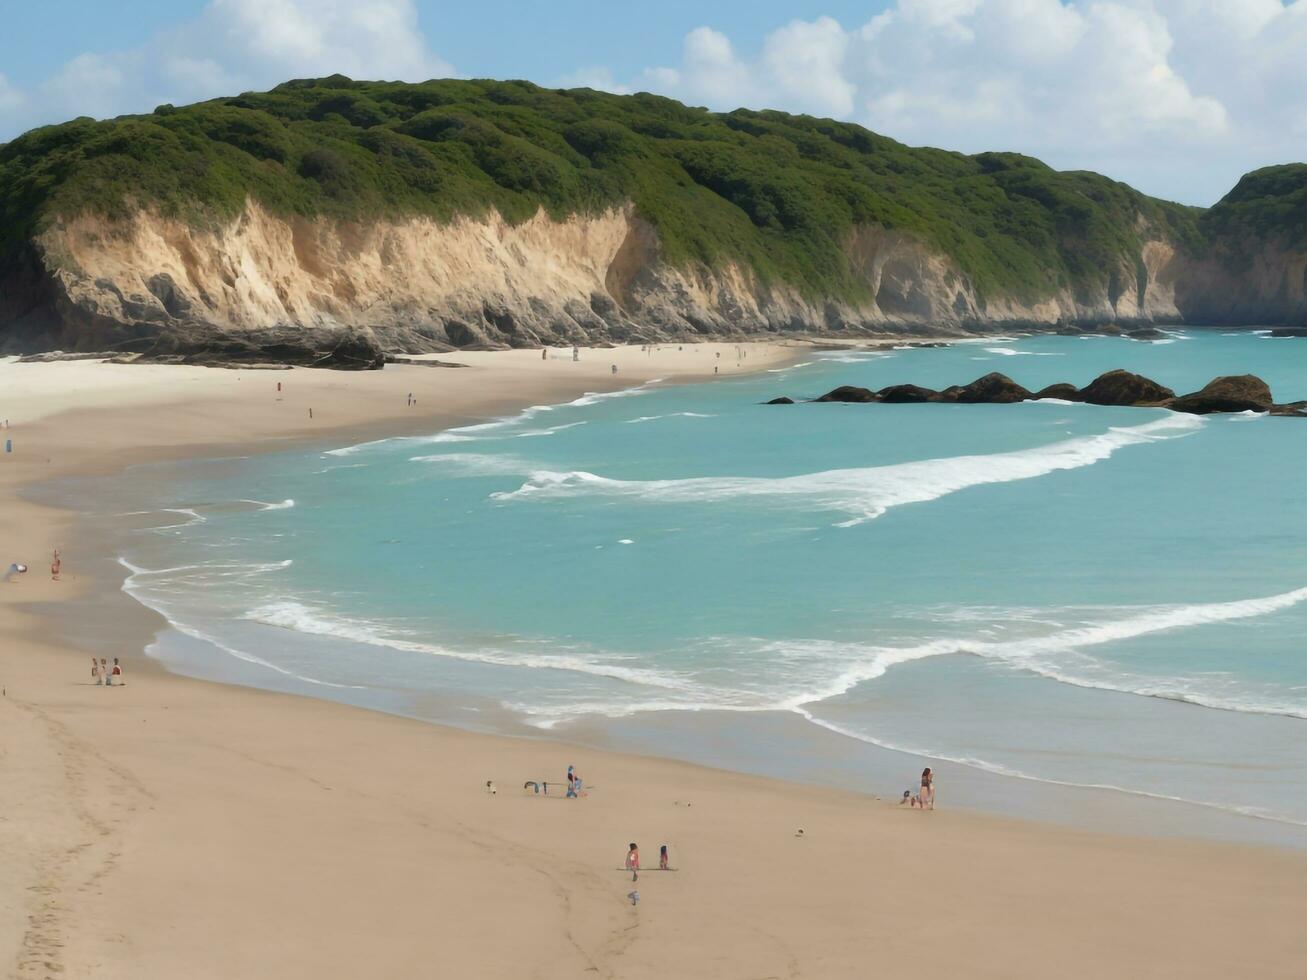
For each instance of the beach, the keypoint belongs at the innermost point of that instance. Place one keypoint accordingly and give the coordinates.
(179, 827)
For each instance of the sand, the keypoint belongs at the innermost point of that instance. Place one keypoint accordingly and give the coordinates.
(177, 828)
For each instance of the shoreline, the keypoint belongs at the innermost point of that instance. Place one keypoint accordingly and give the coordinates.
(241, 735)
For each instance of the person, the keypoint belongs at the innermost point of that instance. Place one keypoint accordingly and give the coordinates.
(116, 674)
(15, 568)
(927, 788)
(544, 353)
(104, 670)
(571, 783)
(907, 798)
(663, 859)
(95, 671)
(633, 862)
(614, 369)
(56, 563)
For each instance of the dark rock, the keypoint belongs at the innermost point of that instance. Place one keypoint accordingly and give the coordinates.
(848, 393)
(992, 389)
(1062, 390)
(1234, 393)
(355, 350)
(1146, 333)
(1124, 388)
(904, 394)
(783, 400)
(1289, 332)
(1292, 409)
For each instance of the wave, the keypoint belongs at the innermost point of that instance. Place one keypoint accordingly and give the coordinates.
(302, 618)
(868, 492)
(669, 415)
(478, 464)
(264, 505)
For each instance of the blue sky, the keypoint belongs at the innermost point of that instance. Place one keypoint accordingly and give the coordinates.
(1178, 97)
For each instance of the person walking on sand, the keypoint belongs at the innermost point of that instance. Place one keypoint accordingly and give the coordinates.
(927, 788)
(56, 563)
(663, 859)
(633, 862)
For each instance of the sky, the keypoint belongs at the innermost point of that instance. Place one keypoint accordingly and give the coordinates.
(1177, 97)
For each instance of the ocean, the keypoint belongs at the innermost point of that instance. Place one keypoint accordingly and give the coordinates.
(1044, 595)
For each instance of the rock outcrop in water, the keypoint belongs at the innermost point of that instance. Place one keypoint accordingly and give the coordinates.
(1231, 393)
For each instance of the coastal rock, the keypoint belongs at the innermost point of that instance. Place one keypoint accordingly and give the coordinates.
(783, 400)
(1146, 333)
(1289, 332)
(906, 394)
(1233, 393)
(1062, 391)
(1122, 387)
(848, 393)
(992, 389)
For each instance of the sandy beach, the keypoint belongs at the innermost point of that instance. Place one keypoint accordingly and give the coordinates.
(179, 828)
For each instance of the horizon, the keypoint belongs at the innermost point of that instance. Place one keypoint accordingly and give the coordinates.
(1178, 100)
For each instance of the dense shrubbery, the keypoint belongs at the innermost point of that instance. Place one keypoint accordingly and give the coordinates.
(1266, 205)
(779, 192)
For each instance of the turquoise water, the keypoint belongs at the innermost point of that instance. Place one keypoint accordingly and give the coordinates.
(1071, 594)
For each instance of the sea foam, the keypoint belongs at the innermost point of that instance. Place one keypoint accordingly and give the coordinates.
(866, 492)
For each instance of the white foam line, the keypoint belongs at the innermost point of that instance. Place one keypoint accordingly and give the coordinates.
(669, 415)
(264, 505)
(303, 619)
(868, 492)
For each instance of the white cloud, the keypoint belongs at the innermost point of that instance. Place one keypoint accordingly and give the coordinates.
(1176, 96)
(232, 46)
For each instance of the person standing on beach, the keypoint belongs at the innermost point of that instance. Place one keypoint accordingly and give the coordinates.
(633, 862)
(927, 788)
(95, 671)
(116, 673)
(56, 563)
(104, 670)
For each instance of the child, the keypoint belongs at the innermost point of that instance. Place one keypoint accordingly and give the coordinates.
(633, 862)
(663, 860)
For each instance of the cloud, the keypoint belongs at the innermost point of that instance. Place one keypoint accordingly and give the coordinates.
(231, 46)
(1176, 96)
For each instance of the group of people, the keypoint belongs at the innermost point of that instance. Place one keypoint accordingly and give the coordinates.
(105, 675)
(633, 860)
(925, 798)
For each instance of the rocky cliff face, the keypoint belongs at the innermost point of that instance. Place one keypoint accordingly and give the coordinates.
(272, 286)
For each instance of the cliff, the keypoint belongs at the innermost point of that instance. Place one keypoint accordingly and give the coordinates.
(454, 214)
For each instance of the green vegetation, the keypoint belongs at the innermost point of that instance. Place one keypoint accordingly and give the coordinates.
(778, 192)
(1267, 205)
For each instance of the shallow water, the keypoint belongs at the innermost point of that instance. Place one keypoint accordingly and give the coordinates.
(1076, 595)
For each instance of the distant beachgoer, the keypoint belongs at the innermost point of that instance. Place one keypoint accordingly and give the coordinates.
(15, 568)
(95, 670)
(715, 369)
(576, 353)
(544, 353)
(614, 369)
(633, 862)
(56, 563)
(907, 798)
(104, 670)
(663, 859)
(571, 783)
(116, 674)
(927, 788)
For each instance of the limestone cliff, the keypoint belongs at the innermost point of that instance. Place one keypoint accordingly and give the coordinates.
(276, 285)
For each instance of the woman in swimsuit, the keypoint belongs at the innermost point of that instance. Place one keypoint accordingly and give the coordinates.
(927, 788)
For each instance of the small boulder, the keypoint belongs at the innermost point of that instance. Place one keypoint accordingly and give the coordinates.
(848, 393)
(1233, 393)
(992, 389)
(903, 394)
(783, 400)
(1146, 333)
(1289, 332)
(1062, 391)
(1124, 388)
